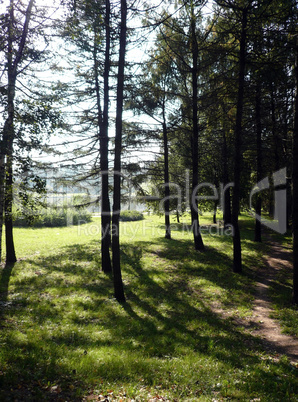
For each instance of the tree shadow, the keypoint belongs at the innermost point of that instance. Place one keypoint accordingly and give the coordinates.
(4, 286)
(165, 318)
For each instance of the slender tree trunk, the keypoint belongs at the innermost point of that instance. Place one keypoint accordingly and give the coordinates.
(237, 263)
(227, 193)
(2, 189)
(8, 138)
(214, 211)
(118, 284)
(10, 249)
(104, 155)
(276, 142)
(295, 188)
(6, 173)
(276, 164)
(198, 241)
(258, 228)
(166, 179)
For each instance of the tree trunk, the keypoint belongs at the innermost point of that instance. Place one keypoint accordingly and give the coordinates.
(8, 138)
(6, 177)
(118, 284)
(237, 263)
(10, 249)
(276, 165)
(2, 189)
(227, 193)
(258, 228)
(166, 180)
(276, 141)
(104, 161)
(215, 211)
(198, 241)
(295, 187)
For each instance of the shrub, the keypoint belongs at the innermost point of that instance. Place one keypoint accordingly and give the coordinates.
(52, 217)
(126, 216)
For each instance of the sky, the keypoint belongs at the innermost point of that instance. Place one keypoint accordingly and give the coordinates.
(134, 54)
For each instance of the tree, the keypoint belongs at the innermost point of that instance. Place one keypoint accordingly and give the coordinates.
(158, 80)
(104, 150)
(198, 241)
(118, 284)
(295, 184)
(180, 38)
(14, 58)
(89, 29)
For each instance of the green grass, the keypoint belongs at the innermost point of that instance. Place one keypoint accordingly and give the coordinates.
(64, 337)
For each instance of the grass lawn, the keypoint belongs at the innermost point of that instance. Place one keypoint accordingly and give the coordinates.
(64, 337)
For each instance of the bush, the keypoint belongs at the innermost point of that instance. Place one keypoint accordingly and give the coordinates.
(127, 216)
(52, 217)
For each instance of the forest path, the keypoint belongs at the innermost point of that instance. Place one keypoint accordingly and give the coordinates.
(265, 327)
(260, 324)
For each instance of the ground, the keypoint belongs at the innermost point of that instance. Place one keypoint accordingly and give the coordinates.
(261, 324)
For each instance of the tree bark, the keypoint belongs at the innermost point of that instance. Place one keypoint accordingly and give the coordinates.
(118, 283)
(237, 261)
(198, 241)
(8, 138)
(9, 241)
(166, 179)
(6, 157)
(2, 189)
(295, 187)
(104, 155)
(258, 227)
(227, 194)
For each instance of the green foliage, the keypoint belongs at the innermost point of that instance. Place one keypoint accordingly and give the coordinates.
(127, 216)
(51, 217)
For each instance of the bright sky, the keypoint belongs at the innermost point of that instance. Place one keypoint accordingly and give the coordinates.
(134, 53)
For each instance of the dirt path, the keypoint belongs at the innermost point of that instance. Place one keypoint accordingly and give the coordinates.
(265, 327)
(260, 324)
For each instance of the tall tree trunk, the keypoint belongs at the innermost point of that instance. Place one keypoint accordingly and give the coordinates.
(104, 155)
(8, 138)
(10, 249)
(166, 178)
(225, 176)
(6, 177)
(276, 164)
(2, 190)
(295, 187)
(276, 141)
(258, 228)
(237, 263)
(198, 241)
(118, 284)
(215, 211)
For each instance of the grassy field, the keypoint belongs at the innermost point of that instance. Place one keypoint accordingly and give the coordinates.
(64, 337)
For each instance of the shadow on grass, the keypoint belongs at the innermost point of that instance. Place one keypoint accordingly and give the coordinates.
(69, 330)
(4, 286)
